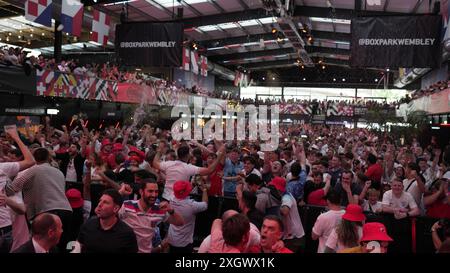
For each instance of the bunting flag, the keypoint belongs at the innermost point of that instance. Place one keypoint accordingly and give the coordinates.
(100, 28)
(39, 11)
(204, 66)
(194, 61)
(72, 16)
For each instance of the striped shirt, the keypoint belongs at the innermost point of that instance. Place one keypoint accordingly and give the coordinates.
(43, 189)
(142, 223)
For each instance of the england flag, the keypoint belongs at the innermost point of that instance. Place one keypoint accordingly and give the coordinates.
(39, 11)
(72, 16)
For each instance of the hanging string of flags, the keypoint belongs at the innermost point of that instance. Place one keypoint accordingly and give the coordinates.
(40, 11)
(191, 61)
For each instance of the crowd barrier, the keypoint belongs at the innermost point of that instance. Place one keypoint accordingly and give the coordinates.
(411, 235)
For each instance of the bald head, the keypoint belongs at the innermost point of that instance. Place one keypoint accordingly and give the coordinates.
(43, 223)
(227, 214)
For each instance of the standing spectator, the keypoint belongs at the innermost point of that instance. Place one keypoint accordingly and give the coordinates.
(398, 202)
(247, 201)
(13, 202)
(294, 233)
(327, 221)
(348, 232)
(180, 238)
(271, 233)
(437, 201)
(348, 190)
(231, 172)
(231, 235)
(145, 214)
(47, 229)
(374, 171)
(72, 164)
(373, 232)
(106, 233)
(414, 183)
(180, 170)
(372, 203)
(43, 191)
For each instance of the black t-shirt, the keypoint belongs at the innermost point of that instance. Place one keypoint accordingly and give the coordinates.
(255, 217)
(119, 239)
(310, 186)
(355, 188)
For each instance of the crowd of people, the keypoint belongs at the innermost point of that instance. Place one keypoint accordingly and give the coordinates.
(129, 190)
(432, 89)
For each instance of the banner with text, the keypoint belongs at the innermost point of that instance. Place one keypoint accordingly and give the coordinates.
(396, 41)
(150, 44)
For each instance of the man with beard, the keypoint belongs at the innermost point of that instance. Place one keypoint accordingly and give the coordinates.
(106, 233)
(144, 215)
(71, 165)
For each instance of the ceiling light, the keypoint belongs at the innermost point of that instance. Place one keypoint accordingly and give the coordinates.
(274, 30)
(263, 78)
(273, 78)
(20, 37)
(31, 35)
(43, 34)
(323, 67)
(304, 79)
(387, 70)
(10, 34)
(303, 67)
(343, 79)
(376, 80)
(334, 79)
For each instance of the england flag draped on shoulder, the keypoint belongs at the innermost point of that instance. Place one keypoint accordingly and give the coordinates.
(39, 11)
(72, 16)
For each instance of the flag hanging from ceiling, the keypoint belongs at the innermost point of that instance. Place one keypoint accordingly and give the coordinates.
(194, 62)
(186, 59)
(72, 16)
(100, 28)
(203, 66)
(39, 11)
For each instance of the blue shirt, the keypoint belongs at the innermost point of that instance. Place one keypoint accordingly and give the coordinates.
(296, 187)
(230, 170)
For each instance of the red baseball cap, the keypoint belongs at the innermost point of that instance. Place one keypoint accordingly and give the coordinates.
(279, 183)
(354, 213)
(136, 158)
(182, 189)
(375, 231)
(117, 147)
(106, 142)
(74, 197)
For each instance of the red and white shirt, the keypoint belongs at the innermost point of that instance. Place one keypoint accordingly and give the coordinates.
(143, 223)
